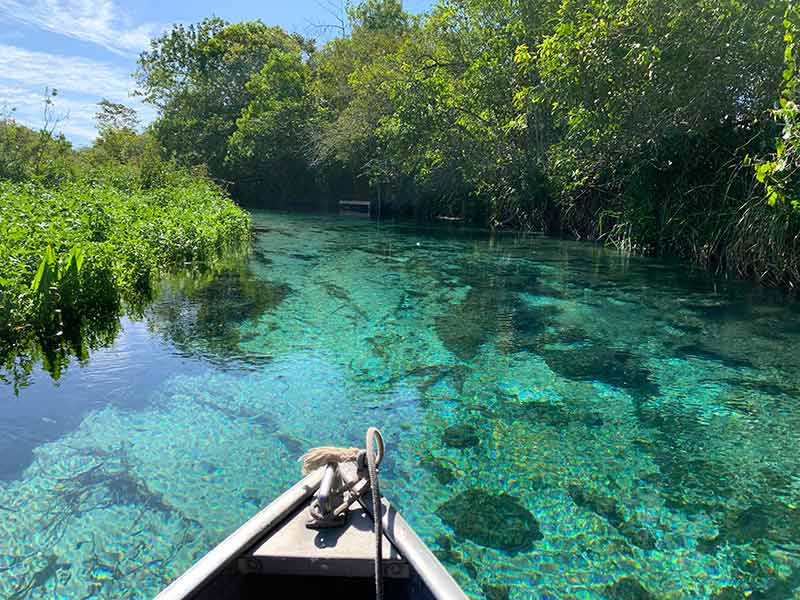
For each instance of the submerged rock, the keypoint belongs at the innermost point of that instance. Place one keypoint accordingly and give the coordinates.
(443, 474)
(494, 520)
(608, 508)
(461, 436)
(595, 363)
(495, 592)
(627, 588)
(776, 522)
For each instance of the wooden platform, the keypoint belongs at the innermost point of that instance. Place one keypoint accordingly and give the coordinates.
(355, 207)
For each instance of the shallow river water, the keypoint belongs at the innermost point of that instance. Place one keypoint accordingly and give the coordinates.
(561, 422)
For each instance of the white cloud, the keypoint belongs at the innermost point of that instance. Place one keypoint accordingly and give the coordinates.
(73, 116)
(42, 69)
(81, 84)
(96, 21)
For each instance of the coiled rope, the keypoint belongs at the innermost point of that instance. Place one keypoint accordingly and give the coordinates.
(374, 451)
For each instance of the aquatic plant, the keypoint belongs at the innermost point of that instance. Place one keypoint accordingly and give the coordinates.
(494, 520)
(461, 436)
(780, 173)
(73, 255)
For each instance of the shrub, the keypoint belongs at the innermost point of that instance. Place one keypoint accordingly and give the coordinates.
(71, 256)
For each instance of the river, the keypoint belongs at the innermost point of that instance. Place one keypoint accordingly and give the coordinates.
(561, 421)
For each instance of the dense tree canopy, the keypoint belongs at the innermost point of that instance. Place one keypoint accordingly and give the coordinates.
(203, 80)
(651, 125)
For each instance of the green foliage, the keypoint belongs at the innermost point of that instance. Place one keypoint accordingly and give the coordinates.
(123, 147)
(351, 89)
(268, 145)
(452, 123)
(116, 117)
(780, 173)
(26, 154)
(379, 15)
(204, 80)
(70, 256)
(652, 100)
(627, 121)
(122, 158)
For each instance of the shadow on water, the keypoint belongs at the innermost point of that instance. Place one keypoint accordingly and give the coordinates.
(492, 310)
(203, 317)
(195, 319)
(54, 351)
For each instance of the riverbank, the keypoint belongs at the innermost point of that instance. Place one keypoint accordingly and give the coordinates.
(619, 122)
(73, 255)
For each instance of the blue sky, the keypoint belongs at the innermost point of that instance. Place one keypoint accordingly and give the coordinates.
(87, 49)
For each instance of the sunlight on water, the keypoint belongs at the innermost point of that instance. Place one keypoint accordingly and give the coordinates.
(561, 422)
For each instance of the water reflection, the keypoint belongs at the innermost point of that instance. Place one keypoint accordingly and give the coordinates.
(202, 316)
(53, 351)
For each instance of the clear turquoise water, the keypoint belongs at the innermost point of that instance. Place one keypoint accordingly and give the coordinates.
(562, 422)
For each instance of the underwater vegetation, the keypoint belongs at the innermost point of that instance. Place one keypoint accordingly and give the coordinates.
(609, 509)
(600, 363)
(439, 467)
(492, 311)
(463, 330)
(461, 436)
(494, 520)
(627, 588)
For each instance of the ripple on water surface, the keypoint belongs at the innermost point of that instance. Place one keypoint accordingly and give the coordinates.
(561, 422)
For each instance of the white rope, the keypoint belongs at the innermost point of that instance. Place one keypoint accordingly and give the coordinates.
(326, 455)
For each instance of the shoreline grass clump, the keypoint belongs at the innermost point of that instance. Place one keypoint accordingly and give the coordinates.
(72, 256)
